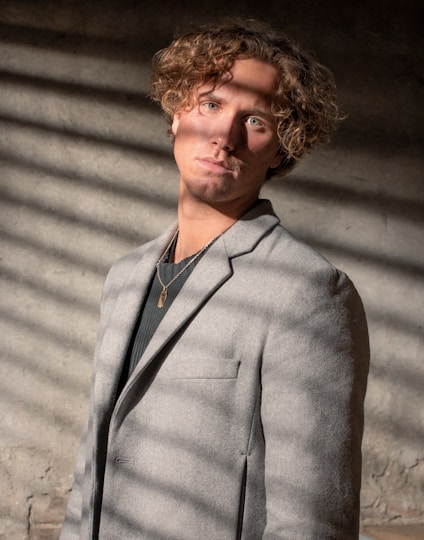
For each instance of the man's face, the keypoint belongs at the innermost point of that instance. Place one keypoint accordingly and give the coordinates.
(226, 142)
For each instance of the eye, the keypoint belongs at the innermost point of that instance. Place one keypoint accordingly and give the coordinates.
(208, 106)
(254, 121)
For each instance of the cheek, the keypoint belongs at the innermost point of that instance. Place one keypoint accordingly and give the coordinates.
(264, 151)
(267, 150)
(188, 130)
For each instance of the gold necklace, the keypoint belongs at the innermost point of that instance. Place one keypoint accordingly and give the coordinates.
(164, 293)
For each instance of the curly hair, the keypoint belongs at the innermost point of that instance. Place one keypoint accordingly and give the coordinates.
(305, 106)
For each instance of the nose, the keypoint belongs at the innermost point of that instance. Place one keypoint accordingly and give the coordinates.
(226, 133)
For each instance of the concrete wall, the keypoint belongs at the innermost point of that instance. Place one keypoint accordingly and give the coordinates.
(87, 173)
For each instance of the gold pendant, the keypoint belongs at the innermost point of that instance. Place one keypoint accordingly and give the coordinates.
(162, 297)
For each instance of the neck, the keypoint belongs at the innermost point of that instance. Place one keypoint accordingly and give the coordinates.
(199, 223)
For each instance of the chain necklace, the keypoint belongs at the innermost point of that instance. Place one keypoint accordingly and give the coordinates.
(164, 293)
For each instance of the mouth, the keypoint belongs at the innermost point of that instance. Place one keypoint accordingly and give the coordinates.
(214, 165)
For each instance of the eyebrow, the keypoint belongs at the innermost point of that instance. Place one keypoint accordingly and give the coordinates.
(209, 94)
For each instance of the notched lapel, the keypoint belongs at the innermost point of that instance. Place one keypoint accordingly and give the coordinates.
(210, 273)
(113, 348)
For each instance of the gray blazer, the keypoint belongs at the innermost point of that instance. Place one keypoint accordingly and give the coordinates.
(244, 416)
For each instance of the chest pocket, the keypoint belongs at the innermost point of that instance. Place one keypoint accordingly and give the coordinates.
(202, 367)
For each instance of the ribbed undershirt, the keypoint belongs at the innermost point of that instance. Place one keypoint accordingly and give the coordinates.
(150, 315)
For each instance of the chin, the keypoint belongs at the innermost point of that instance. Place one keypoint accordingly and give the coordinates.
(209, 194)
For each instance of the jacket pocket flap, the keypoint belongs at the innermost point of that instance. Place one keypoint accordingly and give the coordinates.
(200, 368)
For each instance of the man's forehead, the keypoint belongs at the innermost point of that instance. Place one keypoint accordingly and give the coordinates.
(245, 75)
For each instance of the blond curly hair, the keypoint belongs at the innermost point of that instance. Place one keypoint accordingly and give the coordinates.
(305, 104)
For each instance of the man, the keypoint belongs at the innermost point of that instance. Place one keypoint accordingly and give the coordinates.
(231, 361)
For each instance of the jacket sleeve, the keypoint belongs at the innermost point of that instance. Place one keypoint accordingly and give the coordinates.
(77, 508)
(314, 375)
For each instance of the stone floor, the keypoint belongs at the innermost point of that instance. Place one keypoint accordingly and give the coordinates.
(395, 532)
(399, 532)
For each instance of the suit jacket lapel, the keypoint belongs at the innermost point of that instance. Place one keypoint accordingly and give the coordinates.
(211, 271)
(120, 326)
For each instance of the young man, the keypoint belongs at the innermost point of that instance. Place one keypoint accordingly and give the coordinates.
(232, 359)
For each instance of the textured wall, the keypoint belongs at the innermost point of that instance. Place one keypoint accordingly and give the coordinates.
(87, 173)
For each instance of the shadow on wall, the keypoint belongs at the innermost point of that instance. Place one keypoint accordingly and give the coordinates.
(87, 173)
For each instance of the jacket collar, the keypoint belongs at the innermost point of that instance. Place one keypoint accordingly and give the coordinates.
(248, 231)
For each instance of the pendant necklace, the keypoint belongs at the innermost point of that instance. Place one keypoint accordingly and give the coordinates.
(164, 293)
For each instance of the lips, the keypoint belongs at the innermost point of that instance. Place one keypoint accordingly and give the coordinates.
(215, 165)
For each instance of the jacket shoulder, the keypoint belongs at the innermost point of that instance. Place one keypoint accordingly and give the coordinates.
(291, 252)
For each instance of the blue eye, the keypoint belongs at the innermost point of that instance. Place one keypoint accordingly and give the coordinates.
(253, 121)
(210, 105)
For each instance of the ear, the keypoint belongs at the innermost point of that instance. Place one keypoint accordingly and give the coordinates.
(276, 162)
(175, 123)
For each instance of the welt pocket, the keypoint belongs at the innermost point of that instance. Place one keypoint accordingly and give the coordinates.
(201, 369)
